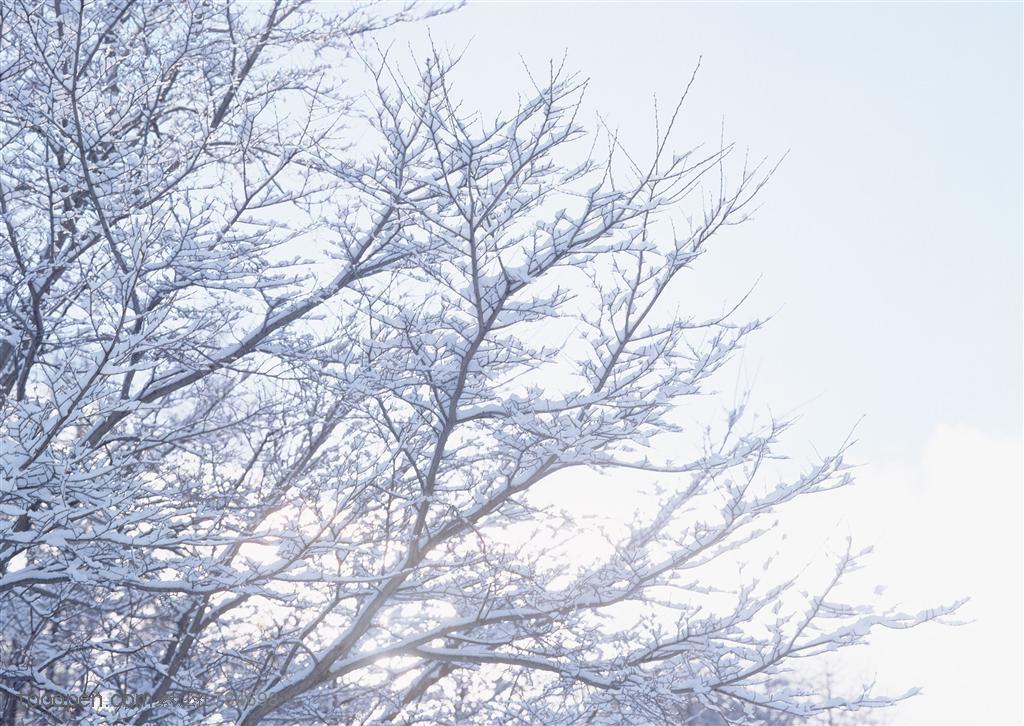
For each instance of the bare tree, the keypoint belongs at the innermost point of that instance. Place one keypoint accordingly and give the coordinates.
(275, 404)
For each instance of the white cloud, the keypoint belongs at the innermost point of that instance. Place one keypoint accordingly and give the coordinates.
(948, 526)
(945, 526)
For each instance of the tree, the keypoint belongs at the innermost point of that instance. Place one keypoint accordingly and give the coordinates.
(275, 405)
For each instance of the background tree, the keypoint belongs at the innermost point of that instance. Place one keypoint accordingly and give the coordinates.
(275, 407)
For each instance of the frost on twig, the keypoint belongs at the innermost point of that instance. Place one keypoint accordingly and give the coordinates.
(274, 406)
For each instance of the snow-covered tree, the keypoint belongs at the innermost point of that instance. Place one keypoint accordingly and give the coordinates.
(285, 363)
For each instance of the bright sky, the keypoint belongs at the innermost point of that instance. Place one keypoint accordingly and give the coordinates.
(889, 249)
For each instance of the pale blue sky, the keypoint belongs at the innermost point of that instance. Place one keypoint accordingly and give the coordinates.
(890, 240)
(889, 245)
